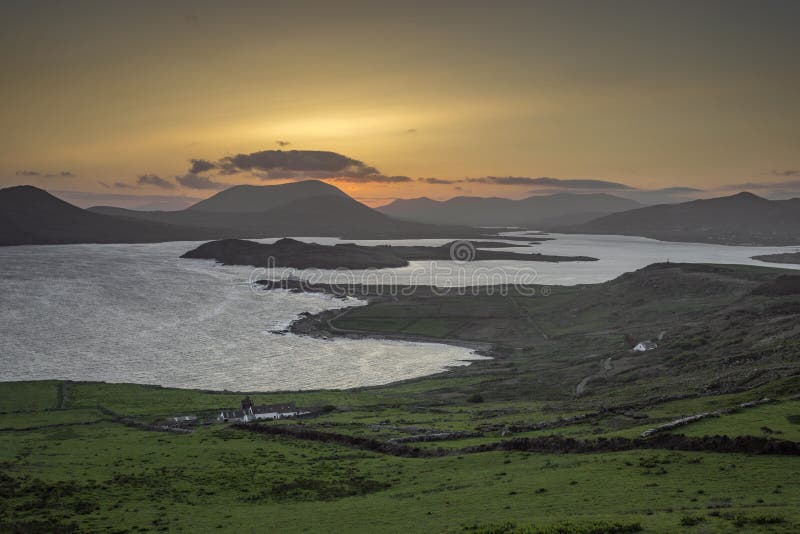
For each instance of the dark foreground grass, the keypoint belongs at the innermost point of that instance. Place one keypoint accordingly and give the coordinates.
(110, 477)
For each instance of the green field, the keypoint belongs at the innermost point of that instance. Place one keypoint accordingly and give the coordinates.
(107, 476)
(486, 448)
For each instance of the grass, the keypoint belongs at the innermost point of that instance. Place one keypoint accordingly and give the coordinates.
(110, 476)
(50, 418)
(64, 461)
(780, 420)
(28, 396)
(126, 478)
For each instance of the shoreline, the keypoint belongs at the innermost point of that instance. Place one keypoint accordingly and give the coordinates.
(320, 325)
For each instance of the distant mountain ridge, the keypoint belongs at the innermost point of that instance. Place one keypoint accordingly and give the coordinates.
(741, 219)
(309, 208)
(29, 215)
(534, 211)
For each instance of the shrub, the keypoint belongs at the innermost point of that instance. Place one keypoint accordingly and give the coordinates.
(598, 527)
(741, 520)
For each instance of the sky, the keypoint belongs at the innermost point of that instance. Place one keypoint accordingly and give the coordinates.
(158, 104)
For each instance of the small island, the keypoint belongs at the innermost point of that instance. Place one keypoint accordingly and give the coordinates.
(299, 255)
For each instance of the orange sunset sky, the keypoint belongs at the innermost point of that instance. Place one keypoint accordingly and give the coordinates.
(108, 102)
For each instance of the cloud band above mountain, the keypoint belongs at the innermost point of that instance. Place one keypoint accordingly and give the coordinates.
(296, 165)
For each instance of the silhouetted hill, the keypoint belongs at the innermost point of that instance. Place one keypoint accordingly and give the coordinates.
(535, 211)
(741, 219)
(292, 253)
(29, 215)
(253, 198)
(316, 209)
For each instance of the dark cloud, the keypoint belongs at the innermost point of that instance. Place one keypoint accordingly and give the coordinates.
(195, 181)
(377, 178)
(438, 181)
(298, 165)
(411, 130)
(200, 165)
(60, 174)
(152, 179)
(118, 185)
(282, 143)
(555, 183)
(284, 163)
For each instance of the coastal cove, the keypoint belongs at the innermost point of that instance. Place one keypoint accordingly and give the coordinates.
(140, 313)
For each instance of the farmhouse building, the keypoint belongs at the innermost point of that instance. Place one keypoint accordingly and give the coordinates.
(643, 346)
(251, 412)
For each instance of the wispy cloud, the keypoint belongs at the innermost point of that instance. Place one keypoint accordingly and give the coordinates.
(782, 184)
(554, 183)
(195, 181)
(786, 172)
(374, 178)
(438, 181)
(542, 182)
(118, 185)
(155, 180)
(33, 174)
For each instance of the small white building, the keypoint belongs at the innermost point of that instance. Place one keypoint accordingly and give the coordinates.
(644, 346)
(251, 412)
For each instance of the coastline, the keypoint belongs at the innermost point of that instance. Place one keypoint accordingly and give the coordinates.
(320, 325)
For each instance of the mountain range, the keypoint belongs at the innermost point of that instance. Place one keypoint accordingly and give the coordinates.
(741, 219)
(29, 215)
(532, 212)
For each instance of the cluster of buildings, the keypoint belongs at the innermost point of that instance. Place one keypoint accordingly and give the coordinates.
(252, 412)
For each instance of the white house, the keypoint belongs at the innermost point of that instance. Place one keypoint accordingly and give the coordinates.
(251, 412)
(643, 346)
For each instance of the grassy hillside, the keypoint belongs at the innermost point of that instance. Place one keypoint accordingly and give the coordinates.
(505, 445)
(95, 473)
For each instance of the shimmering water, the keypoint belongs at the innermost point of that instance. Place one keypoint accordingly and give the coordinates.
(138, 313)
